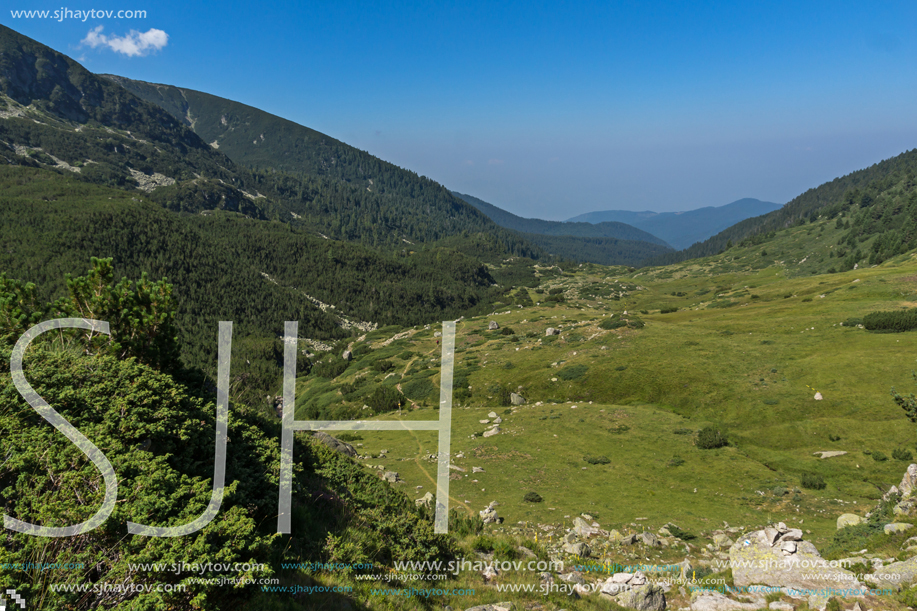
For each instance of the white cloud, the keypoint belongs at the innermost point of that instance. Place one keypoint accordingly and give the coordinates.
(132, 44)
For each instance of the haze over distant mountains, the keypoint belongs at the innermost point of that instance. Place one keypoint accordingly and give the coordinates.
(682, 229)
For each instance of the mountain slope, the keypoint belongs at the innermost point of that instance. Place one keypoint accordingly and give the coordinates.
(880, 195)
(398, 202)
(682, 229)
(613, 229)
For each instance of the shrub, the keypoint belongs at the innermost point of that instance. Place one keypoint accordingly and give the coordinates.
(556, 291)
(902, 454)
(679, 533)
(676, 461)
(620, 367)
(573, 372)
(812, 481)
(507, 331)
(683, 432)
(330, 369)
(532, 497)
(383, 366)
(709, 438)
(644, 311)
(345, 436)
(879, 457)
(635, 323)
(419, 389)
(386, 399)
(597, 460)
(668, 310)
(894, 321)
(611, 323)
(834, 437)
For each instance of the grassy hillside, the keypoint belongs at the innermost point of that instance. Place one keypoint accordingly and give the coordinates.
(889, 183)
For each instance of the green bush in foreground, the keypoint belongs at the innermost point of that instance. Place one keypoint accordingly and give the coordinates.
(902, 454)
(532, 497)
(709, 438)
(812, 481)
(895, 320)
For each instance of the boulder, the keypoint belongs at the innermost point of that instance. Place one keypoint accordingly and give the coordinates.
(649, 539)
(908, 482)
(780, 605)
(347, 356)
(897, 575)
(649, 597)
(551, 331)
(829, 453)
(615, 536)
(490, 571)
(477, 470)
(492, 431)
(578, 549)
(759, 559)
(583, 528)
(711, 600)
(492, 415)
(493, 326)
(897, 527)
(905, 507)
(335, 444)
(848, 519)
(489, 514)
(392, 477)
(818, 396)
(516, 399)
(425, 501)
(720, 541)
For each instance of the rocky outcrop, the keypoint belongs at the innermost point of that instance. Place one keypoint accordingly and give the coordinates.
(516, 399)
(848, 519)
(551, 331)
(777, 556)
(489, 514)
(493, 326)
(335, 444)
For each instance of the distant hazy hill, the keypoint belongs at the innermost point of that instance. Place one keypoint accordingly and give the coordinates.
(613, 229)
(682, 229)
(604, 243)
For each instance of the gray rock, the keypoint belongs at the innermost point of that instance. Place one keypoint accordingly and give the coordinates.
(347, 356)
(492, 415)
(629, 540)
(908, 482)
(490, 571)
(793, 534)
(493, 607)
(578, 549)
(526, 552)
(779, 605)
(572, 577)
(335, 444)
(755, 562)
(905, 507)
(489, 514)
(649, 597)
(477, 470)
(829, 453)
(392, 477)
(897, 527)
(491, 432)
(516, 399)
(425, 501)
(649, 539)
(711, 600)
(896, 575)
(493, 326)
(848, 519)
(551, 331)
(498, 420)
(583, 528)
(720, 541)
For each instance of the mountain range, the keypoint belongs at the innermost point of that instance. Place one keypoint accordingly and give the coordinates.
(682, 229)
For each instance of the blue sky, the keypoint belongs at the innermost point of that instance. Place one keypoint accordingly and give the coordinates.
(547, 109)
